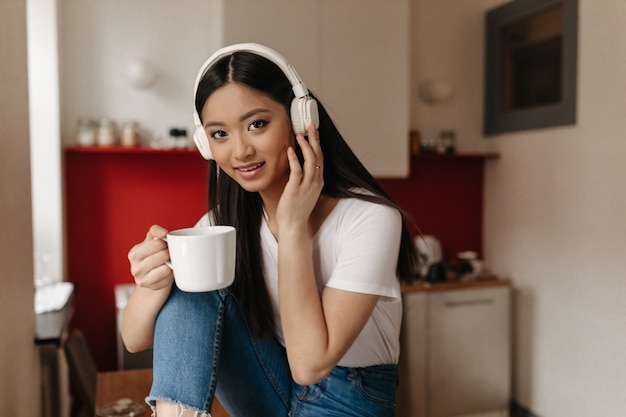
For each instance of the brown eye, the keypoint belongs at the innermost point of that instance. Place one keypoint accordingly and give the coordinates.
(257, 124)
(218, 134)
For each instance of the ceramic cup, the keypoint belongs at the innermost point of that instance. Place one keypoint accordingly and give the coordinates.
(202, 258)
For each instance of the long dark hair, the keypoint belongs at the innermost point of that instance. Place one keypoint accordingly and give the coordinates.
(344, 177)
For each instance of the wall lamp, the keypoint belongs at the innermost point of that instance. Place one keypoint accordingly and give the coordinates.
(434, 91)
(140, 74)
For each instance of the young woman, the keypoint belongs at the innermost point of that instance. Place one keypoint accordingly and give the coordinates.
(311, 325)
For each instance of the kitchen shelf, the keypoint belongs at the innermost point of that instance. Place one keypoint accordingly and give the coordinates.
(455, 155)
(122, 150)
(423, 286)
(147, 150)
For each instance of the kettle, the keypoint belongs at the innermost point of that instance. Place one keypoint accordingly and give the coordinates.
(431, 258)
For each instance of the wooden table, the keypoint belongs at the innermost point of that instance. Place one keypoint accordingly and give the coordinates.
(134, 384)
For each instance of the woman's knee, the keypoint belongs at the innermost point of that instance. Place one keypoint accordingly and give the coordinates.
(170, 409)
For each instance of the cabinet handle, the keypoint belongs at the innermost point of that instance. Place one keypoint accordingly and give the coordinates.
(468, 303)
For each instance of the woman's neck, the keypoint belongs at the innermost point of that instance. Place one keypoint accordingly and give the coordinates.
(320, 212)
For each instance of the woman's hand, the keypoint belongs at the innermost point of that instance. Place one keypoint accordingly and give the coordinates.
(305, 182)
(147, 261)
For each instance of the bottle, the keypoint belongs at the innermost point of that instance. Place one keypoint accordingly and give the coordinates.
(106, 133)
(450, 142)
(178, 138)
(446, 142)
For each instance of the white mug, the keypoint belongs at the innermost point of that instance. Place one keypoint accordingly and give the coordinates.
(202, 258)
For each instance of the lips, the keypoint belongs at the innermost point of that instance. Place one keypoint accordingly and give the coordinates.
(251, 167)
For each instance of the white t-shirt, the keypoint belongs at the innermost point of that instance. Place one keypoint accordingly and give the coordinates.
(356, 249)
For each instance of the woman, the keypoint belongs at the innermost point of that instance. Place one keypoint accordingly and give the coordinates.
(311, 325)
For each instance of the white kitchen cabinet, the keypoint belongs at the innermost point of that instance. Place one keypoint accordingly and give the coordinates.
(456, 353)
(354, 54)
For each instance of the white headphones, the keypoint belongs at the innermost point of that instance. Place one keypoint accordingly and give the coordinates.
(303, 108)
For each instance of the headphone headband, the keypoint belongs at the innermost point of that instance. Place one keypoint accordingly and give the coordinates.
(298, 86)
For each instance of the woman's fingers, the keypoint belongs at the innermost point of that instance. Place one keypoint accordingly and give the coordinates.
(314, 143)
(147, 260)
(156, 232)
(311, 152)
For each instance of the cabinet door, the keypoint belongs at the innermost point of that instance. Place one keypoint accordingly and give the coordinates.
(354, 54)
(469, 351)
(365, 78)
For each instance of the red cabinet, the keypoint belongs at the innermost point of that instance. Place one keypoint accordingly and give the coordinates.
(113, 195)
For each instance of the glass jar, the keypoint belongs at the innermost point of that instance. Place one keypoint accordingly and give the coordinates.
(129, 137)
(106, 133)
(86, 132)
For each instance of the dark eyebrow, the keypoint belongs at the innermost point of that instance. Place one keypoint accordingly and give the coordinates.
(242, 118)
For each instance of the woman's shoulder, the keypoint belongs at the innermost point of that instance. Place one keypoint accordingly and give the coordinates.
(357, 209)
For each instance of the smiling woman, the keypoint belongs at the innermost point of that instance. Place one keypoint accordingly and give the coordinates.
(315, 306)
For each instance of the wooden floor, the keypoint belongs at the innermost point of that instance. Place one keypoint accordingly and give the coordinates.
(217, 410)
(134, 385)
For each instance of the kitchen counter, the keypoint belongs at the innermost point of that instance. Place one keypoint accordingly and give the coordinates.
(52, 324)
(423, 286)
(456, 344)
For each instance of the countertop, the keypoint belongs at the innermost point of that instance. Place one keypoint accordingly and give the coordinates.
(51, 325)
(423, 286)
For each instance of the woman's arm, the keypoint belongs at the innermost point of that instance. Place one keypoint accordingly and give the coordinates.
(154, 281)
(318, 331)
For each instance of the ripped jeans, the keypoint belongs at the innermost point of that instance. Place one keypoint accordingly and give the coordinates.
(203, 348)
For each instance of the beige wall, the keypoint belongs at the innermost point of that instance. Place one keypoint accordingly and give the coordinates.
(555, 220)
(556, 224)
(19, 360)
(447, 44)
(99, 39)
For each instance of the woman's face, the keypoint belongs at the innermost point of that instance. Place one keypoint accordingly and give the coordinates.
(249, 134)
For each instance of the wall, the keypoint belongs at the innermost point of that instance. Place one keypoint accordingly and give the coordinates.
(45, 139)
(19, 359)
(66, 72)
(447, 44)
(99, 39)
(554, 212)
(555, 223)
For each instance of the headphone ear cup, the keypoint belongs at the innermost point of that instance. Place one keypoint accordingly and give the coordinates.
(200, 138)
(304, 113)
(202, 143)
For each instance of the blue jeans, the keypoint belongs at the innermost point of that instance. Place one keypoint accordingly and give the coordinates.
(203, 348)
